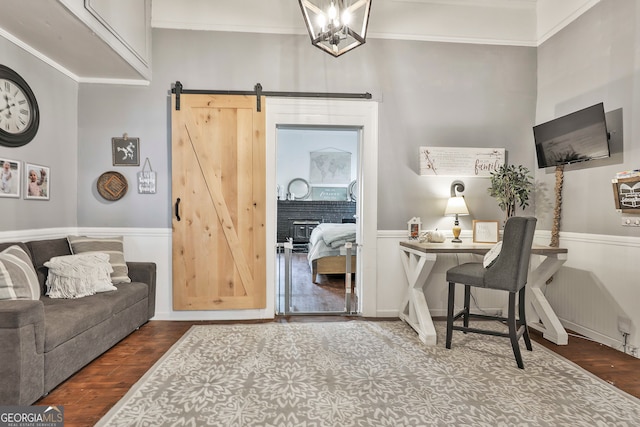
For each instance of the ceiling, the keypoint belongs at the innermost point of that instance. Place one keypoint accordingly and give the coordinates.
(50, 31)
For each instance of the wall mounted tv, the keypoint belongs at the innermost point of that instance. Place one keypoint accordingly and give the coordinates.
(576, 137)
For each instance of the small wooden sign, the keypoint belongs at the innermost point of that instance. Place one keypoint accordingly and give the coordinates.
(125, 151)
(147, 179)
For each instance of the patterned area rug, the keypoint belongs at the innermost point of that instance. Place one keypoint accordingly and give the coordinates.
(362, 373)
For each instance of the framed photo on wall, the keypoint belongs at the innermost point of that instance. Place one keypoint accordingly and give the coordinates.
(10, 178)
(125, 151)
(626, 194)
(485, 231)
(36, 182)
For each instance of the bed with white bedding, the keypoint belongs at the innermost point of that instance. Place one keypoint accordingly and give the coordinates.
(327, 254)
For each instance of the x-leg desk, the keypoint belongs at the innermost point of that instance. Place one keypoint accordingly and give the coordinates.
(418, 260)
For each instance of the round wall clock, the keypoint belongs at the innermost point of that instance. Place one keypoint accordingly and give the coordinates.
(19, 117)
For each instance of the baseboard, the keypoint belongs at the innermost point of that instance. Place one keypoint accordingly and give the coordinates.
(591, 334)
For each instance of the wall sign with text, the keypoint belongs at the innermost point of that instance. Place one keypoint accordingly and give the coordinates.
(329, 193)
(460, 161)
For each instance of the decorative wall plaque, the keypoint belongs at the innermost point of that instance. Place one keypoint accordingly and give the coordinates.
(460, 161)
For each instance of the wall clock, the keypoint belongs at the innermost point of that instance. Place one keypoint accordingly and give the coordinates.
(19, 116)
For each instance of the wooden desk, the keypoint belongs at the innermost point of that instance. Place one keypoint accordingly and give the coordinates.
(418, 260)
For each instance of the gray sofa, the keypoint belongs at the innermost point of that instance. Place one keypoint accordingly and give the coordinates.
(45, 342)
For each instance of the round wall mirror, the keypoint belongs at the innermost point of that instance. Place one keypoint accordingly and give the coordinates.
(353, 191)
(299, 188)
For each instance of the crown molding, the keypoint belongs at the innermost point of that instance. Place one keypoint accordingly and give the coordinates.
(44, 58)
(453, 39)
(128, 82)
(566, 21)
(502, 4)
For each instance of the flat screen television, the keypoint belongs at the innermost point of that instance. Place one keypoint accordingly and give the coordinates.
(576, 137)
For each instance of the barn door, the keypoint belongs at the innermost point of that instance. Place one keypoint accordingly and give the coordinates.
(218, 187)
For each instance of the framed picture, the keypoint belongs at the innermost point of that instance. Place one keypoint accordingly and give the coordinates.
(36, 182)
(125, 151)
(485, 231)
(626, 194)
(414, 228)
(10, 178)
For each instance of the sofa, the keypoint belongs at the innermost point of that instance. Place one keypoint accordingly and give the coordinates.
(46, 340)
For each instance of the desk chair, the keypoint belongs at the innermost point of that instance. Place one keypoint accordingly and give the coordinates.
(508, 273)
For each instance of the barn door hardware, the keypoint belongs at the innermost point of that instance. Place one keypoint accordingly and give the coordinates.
(258, 92)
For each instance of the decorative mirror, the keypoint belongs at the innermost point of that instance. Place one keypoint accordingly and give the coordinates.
(298, 189)
(353, 191)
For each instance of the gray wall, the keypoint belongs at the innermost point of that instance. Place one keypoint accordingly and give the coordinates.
(595, 59)
(55, 145)
(438, 94)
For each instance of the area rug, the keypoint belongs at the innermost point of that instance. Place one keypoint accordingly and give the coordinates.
(363, 373)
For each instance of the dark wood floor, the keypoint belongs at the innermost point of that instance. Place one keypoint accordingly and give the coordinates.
(90, 393)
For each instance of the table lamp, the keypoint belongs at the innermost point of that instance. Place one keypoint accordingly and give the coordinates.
(456, 206)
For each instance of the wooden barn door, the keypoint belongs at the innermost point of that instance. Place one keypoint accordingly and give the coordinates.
(218, 187)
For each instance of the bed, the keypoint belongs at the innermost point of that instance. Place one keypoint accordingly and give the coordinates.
(327, 253)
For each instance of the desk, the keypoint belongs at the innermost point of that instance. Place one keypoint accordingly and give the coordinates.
(418, 260)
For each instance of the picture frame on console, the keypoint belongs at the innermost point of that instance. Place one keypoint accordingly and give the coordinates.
(485, 231)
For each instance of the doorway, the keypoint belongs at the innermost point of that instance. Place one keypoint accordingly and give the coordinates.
(317, 188)
(332, 113)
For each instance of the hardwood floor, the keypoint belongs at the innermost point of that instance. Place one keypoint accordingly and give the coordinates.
(90, 393)
(325, 296)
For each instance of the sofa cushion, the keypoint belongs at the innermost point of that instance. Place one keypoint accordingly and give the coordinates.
(42, 251)
(18, 279)
(76, 276)
(109, 245)
(67, 318)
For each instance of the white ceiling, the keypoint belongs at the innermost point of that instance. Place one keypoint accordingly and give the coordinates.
(49, 30)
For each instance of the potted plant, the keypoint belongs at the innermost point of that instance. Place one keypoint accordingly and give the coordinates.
(511, 186)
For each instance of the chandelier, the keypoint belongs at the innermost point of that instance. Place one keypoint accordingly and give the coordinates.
(336, 26)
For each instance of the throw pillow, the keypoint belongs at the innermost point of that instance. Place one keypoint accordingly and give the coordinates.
(77, 276)
(492, 256)
(18, 279)
(112, 246)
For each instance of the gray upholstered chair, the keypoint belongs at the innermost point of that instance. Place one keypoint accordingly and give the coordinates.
(508, 273)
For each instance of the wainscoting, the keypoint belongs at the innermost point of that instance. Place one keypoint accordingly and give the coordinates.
(596, 287)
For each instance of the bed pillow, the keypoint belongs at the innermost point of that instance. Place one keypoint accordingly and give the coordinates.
(18, 279)
(492, 256)
(77, 276)
(112, 246)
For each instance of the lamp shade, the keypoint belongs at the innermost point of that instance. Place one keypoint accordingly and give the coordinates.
(456, 206)
(336, 26)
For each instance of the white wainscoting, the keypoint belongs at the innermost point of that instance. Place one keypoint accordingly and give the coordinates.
(143, 244)
(597, 286)
(392, 282)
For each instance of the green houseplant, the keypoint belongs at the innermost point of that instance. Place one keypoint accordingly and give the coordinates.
(511, 186)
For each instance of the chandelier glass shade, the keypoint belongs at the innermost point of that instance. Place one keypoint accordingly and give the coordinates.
(336, 26)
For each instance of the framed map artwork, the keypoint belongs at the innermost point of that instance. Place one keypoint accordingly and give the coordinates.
(330, 167)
